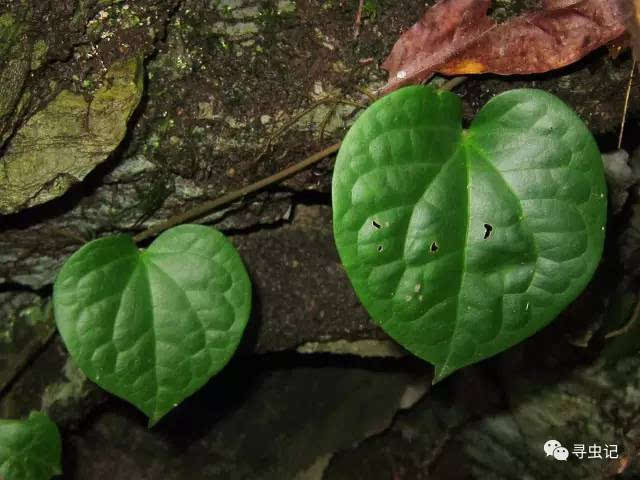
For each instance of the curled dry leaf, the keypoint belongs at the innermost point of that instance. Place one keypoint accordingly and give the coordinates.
(447, 28)
(455, 37)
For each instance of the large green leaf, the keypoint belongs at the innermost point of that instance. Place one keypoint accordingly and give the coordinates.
(152, 327)
(461, 243)
(30, 449)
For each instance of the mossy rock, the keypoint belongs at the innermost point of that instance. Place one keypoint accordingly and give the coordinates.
(61, 144)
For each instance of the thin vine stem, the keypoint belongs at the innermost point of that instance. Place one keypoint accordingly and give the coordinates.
(206, 207)
(626, 103)
(453, 83)
(627, 326)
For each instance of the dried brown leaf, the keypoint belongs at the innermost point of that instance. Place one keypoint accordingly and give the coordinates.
(445, 29)
(560, 34)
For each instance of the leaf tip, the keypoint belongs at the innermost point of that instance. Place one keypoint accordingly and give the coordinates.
(441, 372)
(155, 418)
(159, 413)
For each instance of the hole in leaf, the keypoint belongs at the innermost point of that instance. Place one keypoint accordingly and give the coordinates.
(434, 247)
(487, 230)
(375, 224)
(379, 248)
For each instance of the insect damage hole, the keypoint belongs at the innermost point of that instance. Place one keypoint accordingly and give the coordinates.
(375, 224)
(434, 247)
(487, 230)
(380, 248)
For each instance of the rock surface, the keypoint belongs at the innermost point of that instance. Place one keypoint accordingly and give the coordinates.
(251, 413)
(26, 325)
(233, 91)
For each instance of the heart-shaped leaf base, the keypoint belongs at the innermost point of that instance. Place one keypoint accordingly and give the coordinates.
(152, 327)
(461, 243)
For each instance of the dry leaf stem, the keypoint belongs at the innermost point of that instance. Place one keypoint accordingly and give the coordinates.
(626, 103)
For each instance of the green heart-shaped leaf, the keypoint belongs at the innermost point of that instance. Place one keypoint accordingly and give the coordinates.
(30, 449)
(152, 327)
(461, 243)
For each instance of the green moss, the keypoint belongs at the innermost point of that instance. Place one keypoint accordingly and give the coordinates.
(38, 54)
(12, 78)
(271, 18)
(286, 6)
(61, 144)
(14, 67)
(117, 101)
(36, 314)
(371, 9)
(10, 31)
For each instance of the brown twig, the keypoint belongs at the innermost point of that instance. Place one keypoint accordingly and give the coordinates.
(626, 103)
(70, 234)
(291, 122)
(628, 325)
(356, 27)
(206, 207)
(453, 83)
(344, 101)
(327, 119)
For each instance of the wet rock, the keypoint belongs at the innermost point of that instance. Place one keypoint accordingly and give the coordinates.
(301, 292)
(250, 422)
(503, 438)
(54, 385)
(361, 348)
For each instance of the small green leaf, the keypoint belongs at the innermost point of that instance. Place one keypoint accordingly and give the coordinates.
(30, 449)
(460, 243)
(152, 327)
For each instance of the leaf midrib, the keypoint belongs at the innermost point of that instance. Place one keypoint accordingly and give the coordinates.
(523, 219)
(462, 148)
(142, 259)
(149, 260)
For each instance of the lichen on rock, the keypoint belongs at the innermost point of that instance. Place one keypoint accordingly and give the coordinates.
(14, 67)
(61, 144)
